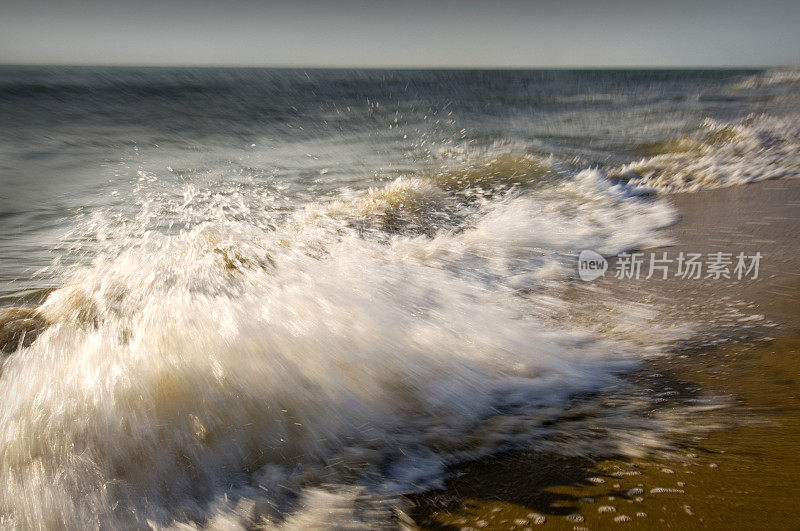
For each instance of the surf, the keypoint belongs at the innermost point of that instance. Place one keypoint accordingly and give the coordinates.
(232, 362)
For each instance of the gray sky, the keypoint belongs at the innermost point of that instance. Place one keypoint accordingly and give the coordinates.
(472, 33)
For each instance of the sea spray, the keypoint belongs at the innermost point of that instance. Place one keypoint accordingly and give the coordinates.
(231, 361)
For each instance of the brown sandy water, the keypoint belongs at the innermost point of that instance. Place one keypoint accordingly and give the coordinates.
(743, 473)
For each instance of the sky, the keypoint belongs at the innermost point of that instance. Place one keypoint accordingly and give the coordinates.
(414, 33)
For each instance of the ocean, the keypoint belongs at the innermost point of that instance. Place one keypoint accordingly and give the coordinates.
(265, 297)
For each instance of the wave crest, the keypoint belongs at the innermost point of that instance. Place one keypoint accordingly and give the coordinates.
(778, 76)
(756, 149)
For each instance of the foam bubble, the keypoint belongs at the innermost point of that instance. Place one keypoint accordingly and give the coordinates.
(536, 518)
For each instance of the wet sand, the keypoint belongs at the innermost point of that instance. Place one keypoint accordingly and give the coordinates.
(742, 472)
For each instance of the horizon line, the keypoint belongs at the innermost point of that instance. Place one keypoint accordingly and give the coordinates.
(404, 67)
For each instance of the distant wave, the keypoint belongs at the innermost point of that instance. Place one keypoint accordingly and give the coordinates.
(778, 76)
(721, 154)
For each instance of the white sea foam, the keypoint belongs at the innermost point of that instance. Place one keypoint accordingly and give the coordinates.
(722, 154)
(245, 373)
(777, 76)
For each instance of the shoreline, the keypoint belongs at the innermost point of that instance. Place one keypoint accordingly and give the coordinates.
(740, 474)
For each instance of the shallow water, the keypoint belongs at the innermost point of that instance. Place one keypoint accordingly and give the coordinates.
(270, 296)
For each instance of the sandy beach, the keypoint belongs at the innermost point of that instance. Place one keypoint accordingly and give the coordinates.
(740, 472)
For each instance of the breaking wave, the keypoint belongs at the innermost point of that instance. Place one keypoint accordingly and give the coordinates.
(756, 148)
(253, 370)
(778, 76)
